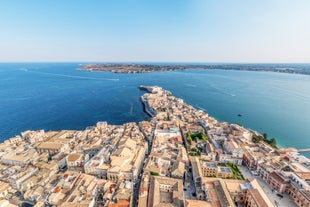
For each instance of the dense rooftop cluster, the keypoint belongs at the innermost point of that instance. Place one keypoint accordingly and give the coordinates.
(181, 157)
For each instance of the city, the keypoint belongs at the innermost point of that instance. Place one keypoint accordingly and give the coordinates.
(181, 157)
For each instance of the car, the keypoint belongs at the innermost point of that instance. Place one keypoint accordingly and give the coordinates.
(278, 194)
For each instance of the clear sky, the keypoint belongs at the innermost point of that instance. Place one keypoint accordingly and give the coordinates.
(155, 31)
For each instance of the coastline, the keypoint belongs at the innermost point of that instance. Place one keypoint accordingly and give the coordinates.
(152, 113)
(302, 69)
(126, 155)
(149, 110)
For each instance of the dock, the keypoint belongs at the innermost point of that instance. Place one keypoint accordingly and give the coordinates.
(304, 150)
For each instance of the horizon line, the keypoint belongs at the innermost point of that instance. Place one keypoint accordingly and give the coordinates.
(147, 62)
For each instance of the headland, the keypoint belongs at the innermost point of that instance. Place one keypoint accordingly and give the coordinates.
(146, 68)
(181, 157)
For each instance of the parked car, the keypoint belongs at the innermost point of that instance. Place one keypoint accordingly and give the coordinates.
(278, 194)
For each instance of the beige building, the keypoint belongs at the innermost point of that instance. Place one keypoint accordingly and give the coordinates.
(98, 165)
(197, 203)
(219, 192)
(4, 189)
(21, 158)
(216, 193)
(278, 182)
(299, 190)
(211, 169)
(6, 203)
(168, 156)
(75, 189)
(76, 161)
(16, 140)
(144, 190)
(256, 196)
(165, 191)
(178, 170)
(224, 172)
(301, 197)
(14, 159)
(51, 148)
(254, 199)
(123, 163)
(33, 136)
(17, 179)
(264, 170)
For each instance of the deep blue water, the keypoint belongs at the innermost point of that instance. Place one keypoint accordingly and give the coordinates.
(55, 96)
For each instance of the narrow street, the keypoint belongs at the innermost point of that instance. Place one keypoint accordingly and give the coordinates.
(189, 186)
(286, 201)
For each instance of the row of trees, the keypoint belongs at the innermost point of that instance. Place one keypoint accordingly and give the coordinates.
(257, 138)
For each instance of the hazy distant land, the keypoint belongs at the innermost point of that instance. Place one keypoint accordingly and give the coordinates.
(145, 68)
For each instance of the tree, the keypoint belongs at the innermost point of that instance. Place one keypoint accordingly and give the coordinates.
(265, 135)
(189, 138)
(203, 137)
(256, 138)
(154, 173)
(273, 142)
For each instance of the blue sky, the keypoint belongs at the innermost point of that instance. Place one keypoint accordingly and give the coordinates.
(155, 31)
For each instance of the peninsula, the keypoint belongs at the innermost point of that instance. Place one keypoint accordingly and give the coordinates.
(181, 157)
(145, 68)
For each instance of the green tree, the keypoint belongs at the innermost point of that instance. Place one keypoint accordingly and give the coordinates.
(154, 173)
(265, 135)
(189, 138)
(273, 142)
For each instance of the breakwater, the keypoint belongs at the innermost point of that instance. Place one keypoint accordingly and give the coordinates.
(149, 110)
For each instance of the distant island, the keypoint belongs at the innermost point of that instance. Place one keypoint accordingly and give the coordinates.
(146, 68)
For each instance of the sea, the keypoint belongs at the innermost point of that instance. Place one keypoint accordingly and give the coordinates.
(56, 96)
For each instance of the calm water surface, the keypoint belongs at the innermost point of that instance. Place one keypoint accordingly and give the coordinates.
(54, 96)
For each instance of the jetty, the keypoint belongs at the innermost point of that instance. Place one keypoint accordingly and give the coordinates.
(304, 150)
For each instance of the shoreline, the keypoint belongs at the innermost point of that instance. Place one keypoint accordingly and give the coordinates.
(149, 68)
(152, 113)
(184, 135)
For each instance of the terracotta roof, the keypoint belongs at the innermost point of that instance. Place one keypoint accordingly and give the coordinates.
(259, 200)
(277, 177)
(74, 156)
(197, 203)
(120, 203)
(50, 145)
(304, 175)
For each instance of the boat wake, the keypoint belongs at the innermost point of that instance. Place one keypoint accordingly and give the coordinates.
(76, 77)
(23, 69)
(15, 99)
(203, 109)
(222, 91)
(191, 85)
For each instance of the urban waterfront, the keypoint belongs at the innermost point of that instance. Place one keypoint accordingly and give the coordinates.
(53, 96)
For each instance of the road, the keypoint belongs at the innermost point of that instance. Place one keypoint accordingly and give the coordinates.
(286, 201)
(189, 186)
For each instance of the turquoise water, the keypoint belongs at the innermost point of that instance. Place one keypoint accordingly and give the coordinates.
(54, 96)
